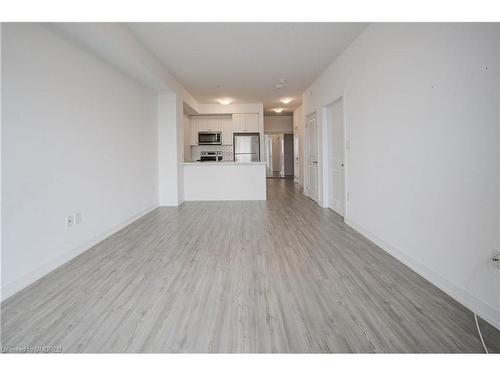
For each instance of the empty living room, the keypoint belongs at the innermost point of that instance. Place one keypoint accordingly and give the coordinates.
(211, 186)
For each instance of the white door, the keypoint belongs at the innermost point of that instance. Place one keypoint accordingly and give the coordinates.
(336, 157)
(312, 158)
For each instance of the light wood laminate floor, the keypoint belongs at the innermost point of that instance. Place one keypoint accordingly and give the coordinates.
(278, 276)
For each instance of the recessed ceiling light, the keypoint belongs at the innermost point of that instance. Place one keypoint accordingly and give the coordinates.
(279, 86)
(282, 80)
(286, 100)
(278, 110)
(225, 101)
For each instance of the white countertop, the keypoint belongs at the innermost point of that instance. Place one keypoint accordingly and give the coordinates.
(221, 163)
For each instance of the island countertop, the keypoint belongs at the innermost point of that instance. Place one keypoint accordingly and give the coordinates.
(222, 163)
(223, 181)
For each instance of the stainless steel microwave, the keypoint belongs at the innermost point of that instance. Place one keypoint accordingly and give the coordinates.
(209, 138)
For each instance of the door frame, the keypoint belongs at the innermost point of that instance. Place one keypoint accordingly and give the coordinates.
(296, 156)
(286, 156)
(306, 156)
(327, 131)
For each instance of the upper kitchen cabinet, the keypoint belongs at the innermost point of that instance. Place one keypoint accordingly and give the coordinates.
(252, 123)
(227, 130)
(209, 123)
(246, 123)
(203, 124)
(194, 122)
(239, 122)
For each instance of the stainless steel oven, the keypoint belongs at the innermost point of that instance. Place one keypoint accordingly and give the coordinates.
(209, 138)
(210, 155)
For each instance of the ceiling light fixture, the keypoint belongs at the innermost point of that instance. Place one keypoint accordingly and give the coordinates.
(279, 86)
(225, 101)
(278, 110)
(286, 100)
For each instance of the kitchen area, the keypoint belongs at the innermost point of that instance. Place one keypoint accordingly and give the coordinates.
(222, 157)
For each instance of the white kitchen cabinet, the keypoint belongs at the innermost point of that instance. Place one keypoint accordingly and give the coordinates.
(203, 124)
(239, 123)
(209, 123)
(227, 130)
(216, 123)
(194, 129)
(252, 123)
(227, 124)
(246, 123)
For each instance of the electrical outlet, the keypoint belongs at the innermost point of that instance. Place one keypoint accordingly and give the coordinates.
(495, 259)
(78, 218)
(69, 221)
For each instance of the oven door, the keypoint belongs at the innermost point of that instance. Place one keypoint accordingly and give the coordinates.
(208, 158)
(209, 138)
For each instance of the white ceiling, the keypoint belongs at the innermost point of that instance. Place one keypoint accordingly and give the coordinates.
(247, 59)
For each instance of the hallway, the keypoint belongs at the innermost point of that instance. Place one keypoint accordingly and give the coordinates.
(282, 275)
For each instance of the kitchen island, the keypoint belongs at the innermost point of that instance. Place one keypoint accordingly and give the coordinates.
(224, 181)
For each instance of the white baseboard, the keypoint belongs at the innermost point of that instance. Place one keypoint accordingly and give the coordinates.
(482, 309)
(15, 286)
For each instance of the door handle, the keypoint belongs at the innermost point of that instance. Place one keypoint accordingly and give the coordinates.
(315, 162)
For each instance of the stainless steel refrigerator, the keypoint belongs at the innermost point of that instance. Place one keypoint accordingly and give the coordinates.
(246, 147)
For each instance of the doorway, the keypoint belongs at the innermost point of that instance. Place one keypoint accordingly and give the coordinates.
(296, 156)
(288, 156)
(311, 143)
(279, 154)
(336, 156)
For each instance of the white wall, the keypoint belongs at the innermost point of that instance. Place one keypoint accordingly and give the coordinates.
(498, 114)
(168, 187)
(421, 106)
(77, 136)
(1, 153)
(278, 124)
(298, 127)
(114, 42)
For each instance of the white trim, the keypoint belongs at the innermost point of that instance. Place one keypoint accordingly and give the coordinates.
(22, 282)
(484, 310)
